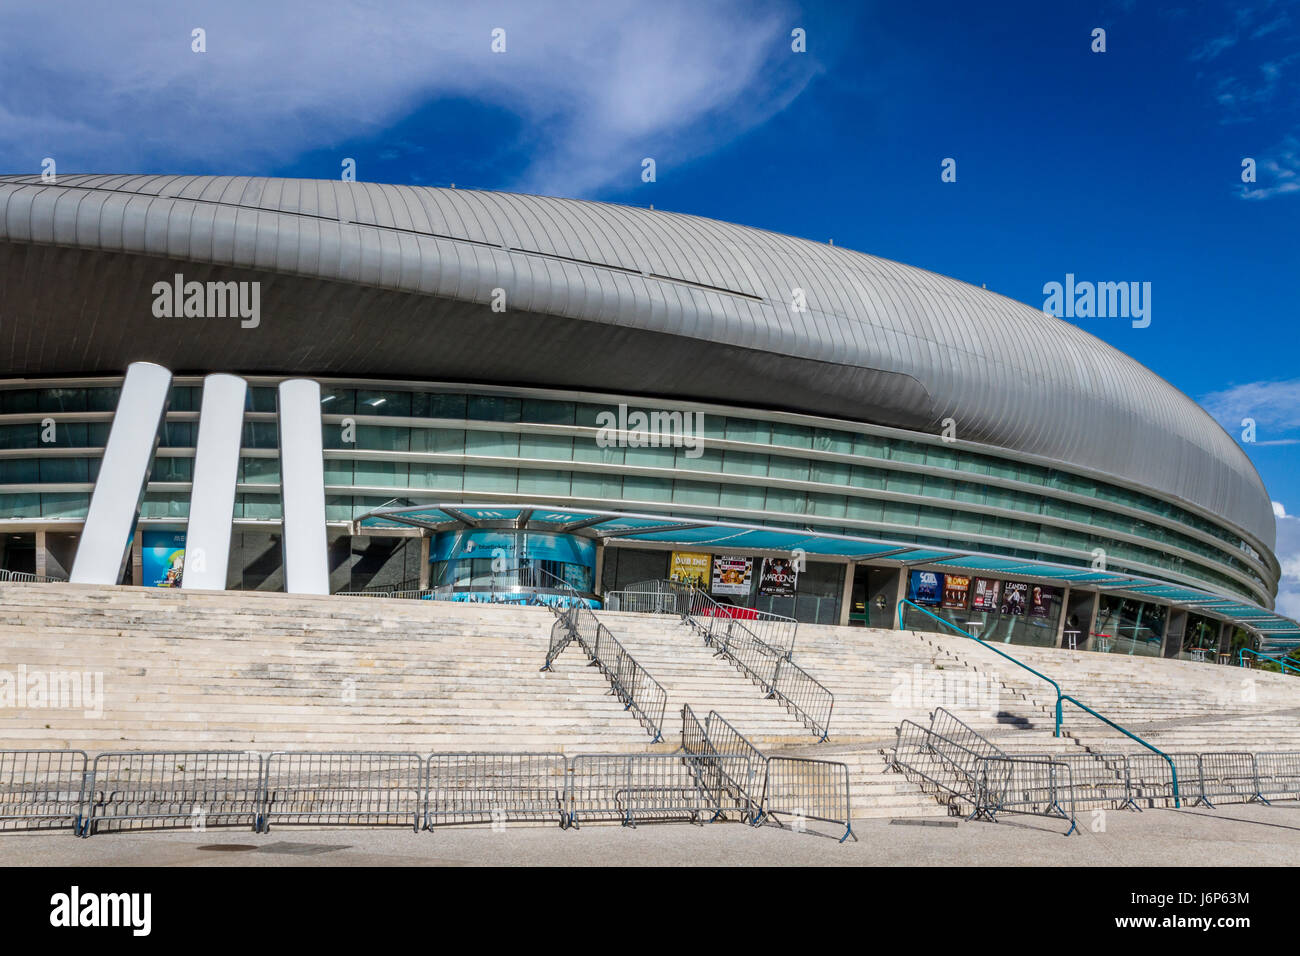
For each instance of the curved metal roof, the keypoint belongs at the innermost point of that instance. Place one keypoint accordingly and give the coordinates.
(398, 281)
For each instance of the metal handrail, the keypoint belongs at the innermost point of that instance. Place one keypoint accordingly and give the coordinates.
(1060, 697)
(1021, 664)
(1282, 662)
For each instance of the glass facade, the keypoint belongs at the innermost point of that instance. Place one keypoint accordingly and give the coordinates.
(1125, 626)
(1014, 612)
(470, 560)
(429, 444)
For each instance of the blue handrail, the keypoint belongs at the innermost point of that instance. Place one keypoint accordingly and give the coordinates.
(1281, 662)
(1060, 697)
(990, 647)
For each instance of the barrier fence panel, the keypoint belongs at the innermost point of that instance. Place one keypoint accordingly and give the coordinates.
(1026, 785)
(643, 601)
(1151, 782)
(561, 637)
(638, 788)
(343, 789)
(802, 789)
(755, 659)
(1100, 780)
(41, 789)
(804, 696)
(914, 757)
(726, 739)
(177, 788)
(697, 738)
(631, 683)
(28, 577)
(1279, 775)
(1229, 778)
(707, 616)
(495, 788)
(959, 748)
(698, 610)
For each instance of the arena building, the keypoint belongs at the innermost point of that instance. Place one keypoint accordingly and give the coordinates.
(614, 394)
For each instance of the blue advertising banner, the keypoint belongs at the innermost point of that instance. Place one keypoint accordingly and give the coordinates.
(925, 587)
(513, 547)
(162, 556)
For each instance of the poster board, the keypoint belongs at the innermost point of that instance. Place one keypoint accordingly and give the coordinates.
(779, 577)
(689, 567)
(731, 574)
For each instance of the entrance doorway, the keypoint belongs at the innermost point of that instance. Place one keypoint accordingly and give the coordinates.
(874, 597)
(1078, 617)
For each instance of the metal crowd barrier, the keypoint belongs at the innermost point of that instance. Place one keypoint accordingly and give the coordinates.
(343, 789)
(643, 600)
(629, 681)
(779, 677)
(42, 789)
(946, 756)
(1229, 778)
(1278, 775)
(697, 740)
(705, 615)
(28, 578)
(636, 788)
(1099, 780)
(562, 634)
(714, 775)
(804, 696)
(1026, 785)
(495, 788)
(126, 789)
(806, 789)
(726, 739)
(1151, 778)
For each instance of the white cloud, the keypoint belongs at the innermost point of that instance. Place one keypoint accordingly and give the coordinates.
(1288, 555)
(1277, 172)
(594, 86)
(1275, 407)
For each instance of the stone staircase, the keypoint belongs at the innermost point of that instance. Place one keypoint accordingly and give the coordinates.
(267, 671)
(1179, 706)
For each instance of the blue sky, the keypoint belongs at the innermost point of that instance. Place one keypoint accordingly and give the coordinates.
(1117, 166)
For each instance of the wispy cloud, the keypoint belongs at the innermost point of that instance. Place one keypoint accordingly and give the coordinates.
(1288, 555)
(1274, 407)
(593, 87)
(1277, 172)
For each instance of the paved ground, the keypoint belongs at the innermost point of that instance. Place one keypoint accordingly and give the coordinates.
(1229, 836)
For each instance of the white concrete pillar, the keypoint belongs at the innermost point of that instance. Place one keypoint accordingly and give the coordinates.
(119, 489)
(846, 597)
(302, 489)
(212, 492)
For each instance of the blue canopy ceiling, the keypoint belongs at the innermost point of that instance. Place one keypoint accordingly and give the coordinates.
(1275, 630)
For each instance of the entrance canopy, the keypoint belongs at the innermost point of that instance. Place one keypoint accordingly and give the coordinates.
(625, 528)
